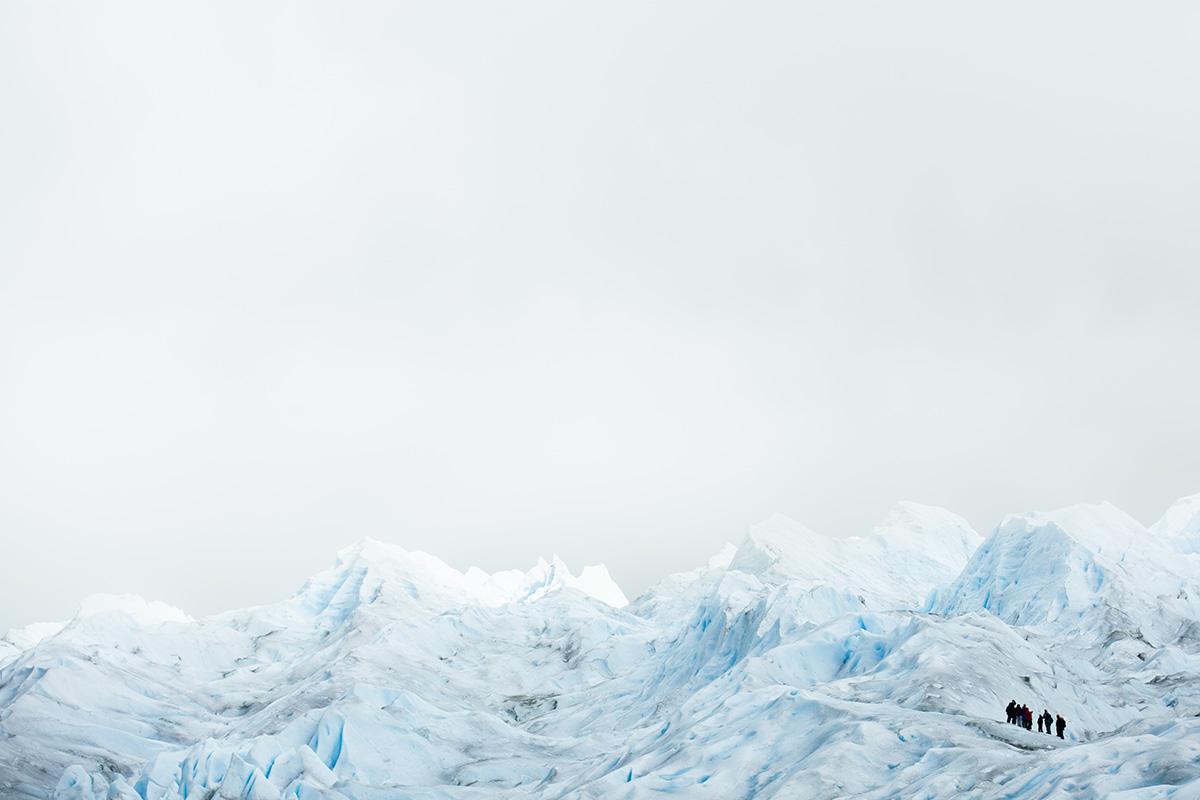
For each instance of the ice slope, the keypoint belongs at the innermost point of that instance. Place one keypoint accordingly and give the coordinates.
(1088, 571)
(791, 666)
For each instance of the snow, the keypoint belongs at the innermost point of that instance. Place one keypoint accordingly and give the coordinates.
(793, 665)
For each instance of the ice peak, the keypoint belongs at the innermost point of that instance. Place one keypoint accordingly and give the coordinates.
(723, 557)
(26, 637)
(938, 534)
(372, 571)
(916, 549)
(1099, 527)
(775, 544)
(1181, 524)
(1090, 567)
(373, 553)
(594, 580)
(920, 516)
(144, 612)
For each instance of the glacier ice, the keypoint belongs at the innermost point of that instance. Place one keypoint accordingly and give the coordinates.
(1181, 524)
(791, 665)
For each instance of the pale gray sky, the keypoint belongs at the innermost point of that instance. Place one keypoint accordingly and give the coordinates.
(612, 280)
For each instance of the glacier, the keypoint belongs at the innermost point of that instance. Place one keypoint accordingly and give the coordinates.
(790, 665)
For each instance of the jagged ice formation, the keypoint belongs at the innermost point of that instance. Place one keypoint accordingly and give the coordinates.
(792, 665)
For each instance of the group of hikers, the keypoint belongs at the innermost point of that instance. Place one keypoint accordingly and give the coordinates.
(1023, 716)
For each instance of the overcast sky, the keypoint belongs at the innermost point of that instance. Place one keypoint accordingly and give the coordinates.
(610, 280)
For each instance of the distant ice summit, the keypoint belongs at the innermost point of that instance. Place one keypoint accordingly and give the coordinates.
(371, 570)
(17, 640)
(131, 606)
(808, 578)
(1181, 524)
(913, 550)
(96, 611)
(594, 581)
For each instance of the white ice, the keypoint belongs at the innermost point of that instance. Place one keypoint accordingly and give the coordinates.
(791, 665)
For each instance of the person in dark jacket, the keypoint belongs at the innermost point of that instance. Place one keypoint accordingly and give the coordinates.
(1010, 712)
(1049, 720)
(1060, 725)
(1041, 723)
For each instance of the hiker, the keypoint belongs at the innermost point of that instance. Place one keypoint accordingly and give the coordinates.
(1049, 720)
(1061, 725)
(1028, 717)
(1010, 713)
(1041, 723)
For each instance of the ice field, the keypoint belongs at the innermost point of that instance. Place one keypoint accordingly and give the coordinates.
(792, 665)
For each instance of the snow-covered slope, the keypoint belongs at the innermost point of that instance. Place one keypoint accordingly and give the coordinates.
(794, 665)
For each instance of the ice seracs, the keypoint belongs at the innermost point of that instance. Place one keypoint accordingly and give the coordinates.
(792, 665)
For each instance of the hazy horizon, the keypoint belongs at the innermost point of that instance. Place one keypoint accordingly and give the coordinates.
(613, 282)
